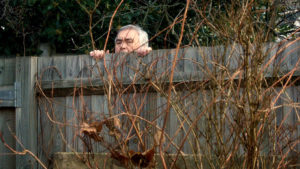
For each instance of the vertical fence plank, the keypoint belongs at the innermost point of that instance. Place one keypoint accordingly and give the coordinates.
(59, 63)
(44, 130)
(59, 114)
(191, 60)
(97, 68)
(7, 127)
(84, 114)
(85, 66)
(48, 133)
(7, 71)
(270, 51)
(71, 112)
(162, 62)
(161, 107)
(172, 126)
(291, 113)
(9, 68)
(2, 71)
(46, 69)
(26, 115)
(72, 72)
(72, 67)
(148, 112)
(186, 113)
(296, 99)
(99, 109)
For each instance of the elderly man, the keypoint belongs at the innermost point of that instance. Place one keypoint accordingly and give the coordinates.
(130, 38)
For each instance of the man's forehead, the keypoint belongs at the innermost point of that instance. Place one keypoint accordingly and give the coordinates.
(127, 34)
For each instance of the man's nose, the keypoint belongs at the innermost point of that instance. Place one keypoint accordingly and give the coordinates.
(123, 44)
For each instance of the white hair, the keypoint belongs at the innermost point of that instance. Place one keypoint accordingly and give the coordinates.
(143, 35)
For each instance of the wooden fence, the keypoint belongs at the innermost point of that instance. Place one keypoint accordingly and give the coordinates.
(45, 100)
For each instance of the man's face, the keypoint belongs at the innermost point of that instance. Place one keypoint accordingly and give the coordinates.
(127, 41)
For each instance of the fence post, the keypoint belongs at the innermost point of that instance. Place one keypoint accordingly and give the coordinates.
(26, 114)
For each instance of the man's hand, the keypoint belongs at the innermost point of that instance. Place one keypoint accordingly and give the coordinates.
(142, 51)
(98, 54)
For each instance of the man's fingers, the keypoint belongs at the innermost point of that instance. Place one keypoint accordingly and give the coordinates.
(98, 54)
(92, 53)
(144, 51)
(149, 49)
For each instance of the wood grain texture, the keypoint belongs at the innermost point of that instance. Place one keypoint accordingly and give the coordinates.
(7, 71)
(26, 115)
(78, 93)
(7, 127)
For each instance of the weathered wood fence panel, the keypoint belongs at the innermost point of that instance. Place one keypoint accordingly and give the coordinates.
(58, 94)
(85, 89)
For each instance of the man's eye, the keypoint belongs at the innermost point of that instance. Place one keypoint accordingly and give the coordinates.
(118, 42)
(128, 41)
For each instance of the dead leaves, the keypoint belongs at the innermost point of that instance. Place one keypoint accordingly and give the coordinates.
(140, 159)
(92, 130)
(120, 159)
(113, 123)
(114, 126)
(143, 159)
